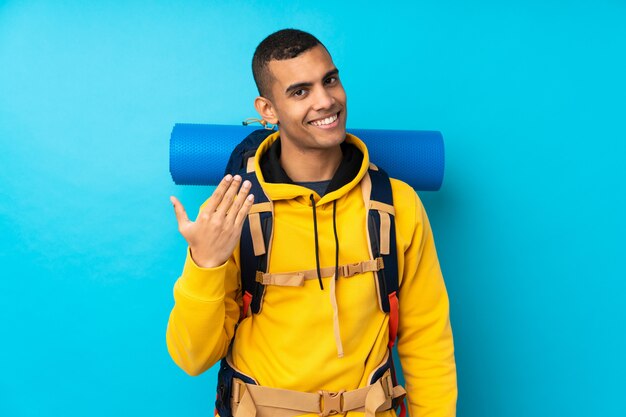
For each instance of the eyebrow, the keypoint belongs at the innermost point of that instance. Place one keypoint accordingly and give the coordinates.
(297, 86)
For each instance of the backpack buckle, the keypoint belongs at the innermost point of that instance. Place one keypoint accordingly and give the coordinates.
(331, 403)
(351, 270)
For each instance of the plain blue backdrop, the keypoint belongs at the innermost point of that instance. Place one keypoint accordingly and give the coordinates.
(529, 223)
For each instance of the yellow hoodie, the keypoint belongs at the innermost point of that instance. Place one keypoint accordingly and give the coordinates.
(291, 343)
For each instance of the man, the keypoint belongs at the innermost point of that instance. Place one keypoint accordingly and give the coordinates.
(327, 334)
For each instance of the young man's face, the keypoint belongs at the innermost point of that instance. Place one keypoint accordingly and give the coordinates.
(308, 100)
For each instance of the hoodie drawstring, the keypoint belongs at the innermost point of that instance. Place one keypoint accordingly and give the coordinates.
(317, 246)
(333, 297)
(336, 239)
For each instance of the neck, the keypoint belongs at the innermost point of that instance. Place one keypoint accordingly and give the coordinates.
(308, 165)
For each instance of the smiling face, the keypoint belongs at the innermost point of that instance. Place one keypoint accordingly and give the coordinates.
(307, 101)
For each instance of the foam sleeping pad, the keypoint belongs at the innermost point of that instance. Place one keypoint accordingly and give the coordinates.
(199, 153)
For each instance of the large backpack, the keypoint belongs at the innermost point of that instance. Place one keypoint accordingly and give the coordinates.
(255, 243)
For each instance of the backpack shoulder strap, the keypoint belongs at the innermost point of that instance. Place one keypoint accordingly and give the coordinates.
(255, 246)
(382, 236)
(256, 232)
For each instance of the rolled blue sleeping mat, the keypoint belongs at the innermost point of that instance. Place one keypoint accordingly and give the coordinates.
(199, 153)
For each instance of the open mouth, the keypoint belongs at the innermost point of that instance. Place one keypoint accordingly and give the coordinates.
(326, 122)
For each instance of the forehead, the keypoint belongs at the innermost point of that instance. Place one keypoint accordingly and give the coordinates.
(308, 67)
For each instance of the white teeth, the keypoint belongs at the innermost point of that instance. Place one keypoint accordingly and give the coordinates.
(325, 121)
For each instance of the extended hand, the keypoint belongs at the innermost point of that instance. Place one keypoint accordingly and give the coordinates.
(216, 231)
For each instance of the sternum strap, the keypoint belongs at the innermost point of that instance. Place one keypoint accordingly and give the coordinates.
(296, 279)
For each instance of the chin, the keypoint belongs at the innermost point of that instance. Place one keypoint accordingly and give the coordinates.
(333, 138)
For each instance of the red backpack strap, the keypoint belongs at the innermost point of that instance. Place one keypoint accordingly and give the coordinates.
(393, 318)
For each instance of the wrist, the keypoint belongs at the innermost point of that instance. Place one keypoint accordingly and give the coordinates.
(203, 261)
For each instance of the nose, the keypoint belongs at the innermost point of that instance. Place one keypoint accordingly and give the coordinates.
(323, 99)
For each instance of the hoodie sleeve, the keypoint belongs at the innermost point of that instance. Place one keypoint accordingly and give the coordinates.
(425, 343)
(206, 309)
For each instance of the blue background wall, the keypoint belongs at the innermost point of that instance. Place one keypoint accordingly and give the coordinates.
(529, 223)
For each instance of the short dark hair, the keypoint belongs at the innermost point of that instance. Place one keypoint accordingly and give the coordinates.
(281, 45)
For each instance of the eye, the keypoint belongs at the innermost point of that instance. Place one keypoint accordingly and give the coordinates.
(331, 80)
(299, 93)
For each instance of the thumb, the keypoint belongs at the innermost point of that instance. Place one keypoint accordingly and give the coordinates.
(179, 210)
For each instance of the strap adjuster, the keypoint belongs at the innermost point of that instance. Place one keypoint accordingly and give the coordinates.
(380, 264)
(258, 276)
(387, 383)
(331, 403)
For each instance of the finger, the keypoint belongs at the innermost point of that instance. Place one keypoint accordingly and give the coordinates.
(218, 194)
(179, 210)
(244, 210)
(239, 200)
(229, 196)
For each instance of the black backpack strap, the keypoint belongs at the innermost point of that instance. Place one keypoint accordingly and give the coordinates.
(255, 246)
(255, 235)
(225, 377)
(382, 234)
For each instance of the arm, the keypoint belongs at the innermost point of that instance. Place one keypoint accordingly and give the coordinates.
(425, 343)
(206, 310)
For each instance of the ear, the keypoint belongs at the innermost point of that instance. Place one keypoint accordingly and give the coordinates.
(265, 108)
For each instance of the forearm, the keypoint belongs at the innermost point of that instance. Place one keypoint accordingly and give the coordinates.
(427, 354)
(202, 322)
